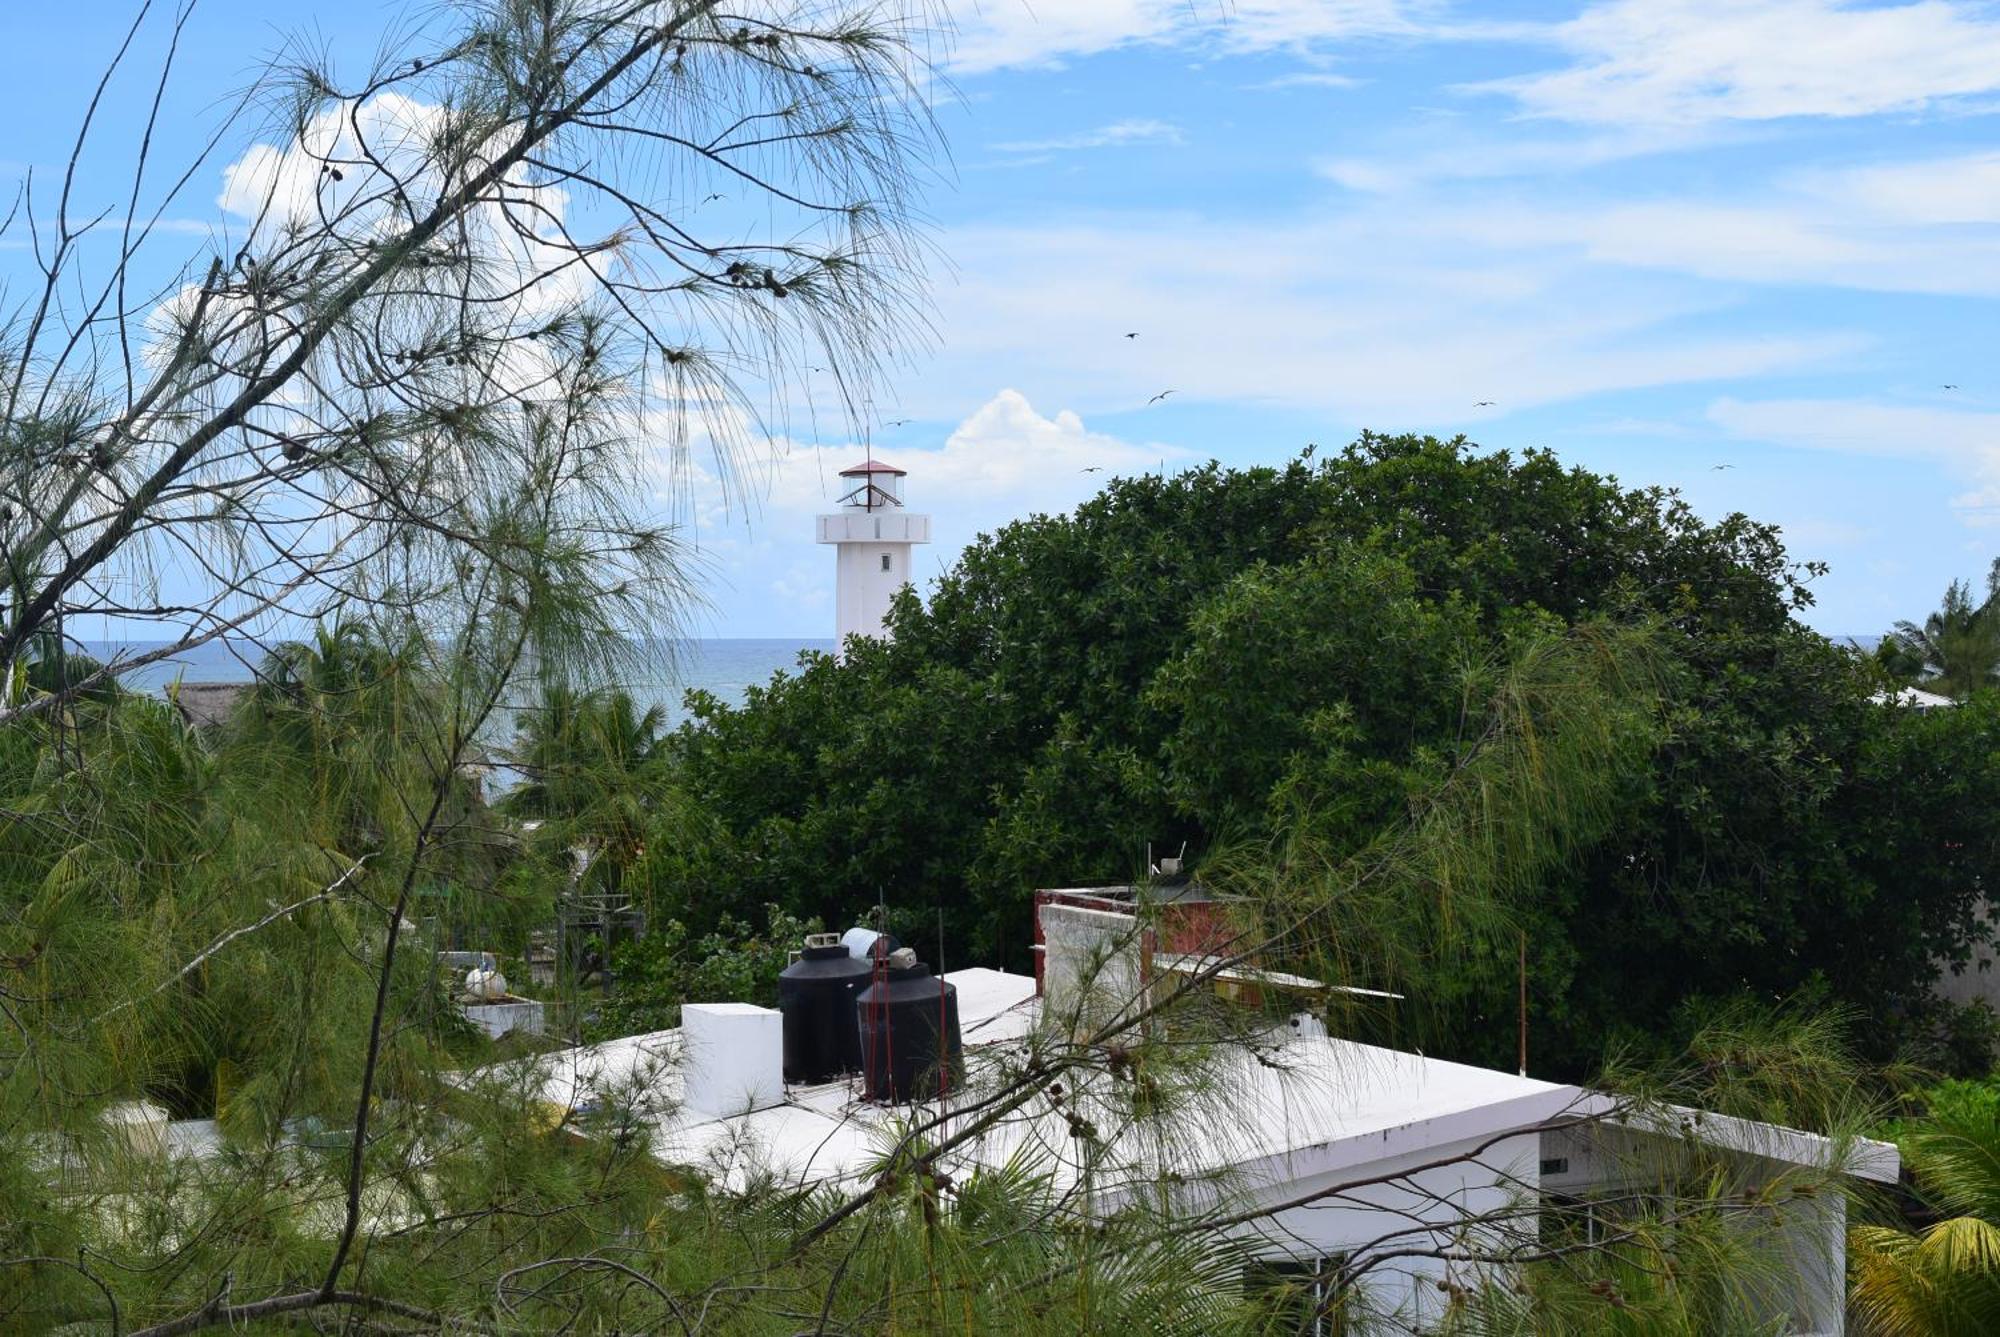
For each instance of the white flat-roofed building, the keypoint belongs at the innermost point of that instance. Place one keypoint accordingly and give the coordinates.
(1345, 1147)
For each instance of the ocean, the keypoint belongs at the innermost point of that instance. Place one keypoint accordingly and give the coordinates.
(726, 667)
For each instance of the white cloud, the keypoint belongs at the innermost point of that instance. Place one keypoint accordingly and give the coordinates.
(1694, 61)
(1118, 134)
(1309, 79)
(996, 34)
(1373, 315)
(335, 187)
(1928, 226)
(1949, 191)
(1008, 451)
(1965, 442)
(1366, 175)
(1454, 153)
(1815, 535)
(1004, 459)
(291, 185)
(1959, 437)
(804, 587)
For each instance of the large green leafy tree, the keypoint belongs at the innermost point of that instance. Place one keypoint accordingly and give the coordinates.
(1213, 656)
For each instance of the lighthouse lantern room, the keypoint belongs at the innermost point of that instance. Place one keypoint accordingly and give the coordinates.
(873, 534)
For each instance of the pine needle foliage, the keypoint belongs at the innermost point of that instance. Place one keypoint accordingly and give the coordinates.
(1548, 740)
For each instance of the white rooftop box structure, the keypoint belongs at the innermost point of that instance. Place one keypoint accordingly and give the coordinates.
(733, 1057)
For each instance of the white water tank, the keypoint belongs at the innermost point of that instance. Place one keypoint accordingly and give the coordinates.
(140, 1125)
(486, 985)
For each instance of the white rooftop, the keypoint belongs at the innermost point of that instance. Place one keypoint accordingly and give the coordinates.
(1913, 697)
(1307, 1105)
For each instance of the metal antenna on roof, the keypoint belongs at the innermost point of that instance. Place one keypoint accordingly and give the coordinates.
(943, 1043)
(1524, 1001)
(887, 1040)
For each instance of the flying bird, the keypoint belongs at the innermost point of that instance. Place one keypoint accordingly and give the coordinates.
(1950, 387)
(1307, 453)
(897, 422)
(712, 198)
(1094, 469)
(1721, 466)
(1133, 335)
(1160, 396)
(1483, 404)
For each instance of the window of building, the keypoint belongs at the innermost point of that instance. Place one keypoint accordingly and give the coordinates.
(1291, 1292)
(885, 561)
(1569, 1220)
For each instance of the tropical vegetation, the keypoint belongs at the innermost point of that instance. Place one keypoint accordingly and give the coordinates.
(1941, 1274)
(1955, 651)
(482, 1205)
(1216, 660)
(1443, 722)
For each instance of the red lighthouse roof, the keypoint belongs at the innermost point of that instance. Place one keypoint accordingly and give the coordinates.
(873, 467)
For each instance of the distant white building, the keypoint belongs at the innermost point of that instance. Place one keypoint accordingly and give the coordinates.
(1914, 697)
(873, 533)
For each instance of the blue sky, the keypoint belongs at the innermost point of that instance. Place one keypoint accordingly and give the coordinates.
(1662, 235)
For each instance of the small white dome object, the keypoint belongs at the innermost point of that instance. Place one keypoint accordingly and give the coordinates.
(485, 985)
(860, 942)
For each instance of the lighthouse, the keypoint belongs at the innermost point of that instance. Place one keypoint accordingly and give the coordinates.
(873, 535)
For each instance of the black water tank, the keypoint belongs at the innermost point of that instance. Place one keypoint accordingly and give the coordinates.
(901, 1013)
(816, 995)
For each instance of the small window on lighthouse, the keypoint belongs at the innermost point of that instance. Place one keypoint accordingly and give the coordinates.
(885, 561)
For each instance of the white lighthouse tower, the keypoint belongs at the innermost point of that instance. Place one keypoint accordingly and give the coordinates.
(874, 535)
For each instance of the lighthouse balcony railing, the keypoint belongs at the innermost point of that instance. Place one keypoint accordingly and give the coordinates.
(875, 527)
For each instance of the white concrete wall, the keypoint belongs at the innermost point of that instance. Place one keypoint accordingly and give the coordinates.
(1980, 980)
(1092, 970)
(862, 589)
(1808, 1267)
(1401, 1295)
(1815, 1244)
(863, 526)
(498, 1019)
